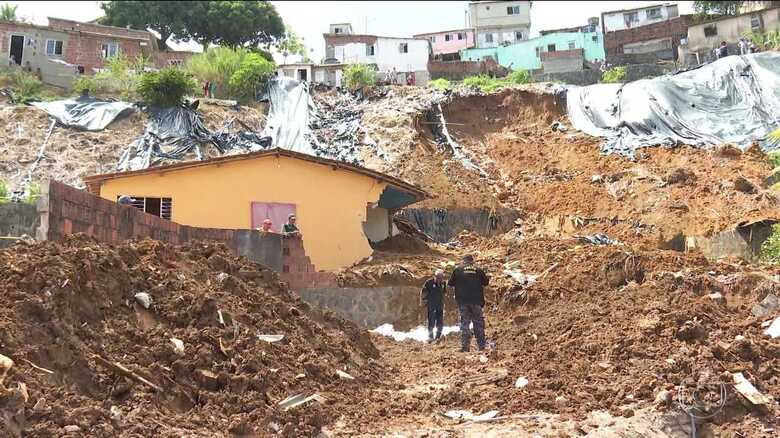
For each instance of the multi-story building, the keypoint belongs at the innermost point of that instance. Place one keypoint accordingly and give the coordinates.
(643, 35)
(388, 54)
(498, 23)
(447, 45)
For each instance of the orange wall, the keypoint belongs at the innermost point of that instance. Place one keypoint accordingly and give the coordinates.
(331, 204)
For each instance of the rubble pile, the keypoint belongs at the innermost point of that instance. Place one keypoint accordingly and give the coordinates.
(144, 339)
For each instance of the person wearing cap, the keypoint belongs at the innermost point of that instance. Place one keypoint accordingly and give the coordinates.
(290, 229)
(432, 294)
(469, 282)
(125, 200)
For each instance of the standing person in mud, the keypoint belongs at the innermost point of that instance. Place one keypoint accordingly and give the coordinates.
(432, 294)
(469, 282)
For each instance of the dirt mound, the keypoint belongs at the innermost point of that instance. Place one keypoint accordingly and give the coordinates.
(402, 243)
(71, 316)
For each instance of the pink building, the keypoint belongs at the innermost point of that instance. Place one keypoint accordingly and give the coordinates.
(447, 45)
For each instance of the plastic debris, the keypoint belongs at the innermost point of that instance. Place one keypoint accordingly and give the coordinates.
(419, 334)
(143, 299)
(768, 305)
(270, 338)
(85, 113)
(684, 108)
(521, 382)
(597, 239)
(300, 399)
(178, 346)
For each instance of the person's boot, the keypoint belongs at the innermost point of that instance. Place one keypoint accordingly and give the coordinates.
(430, 336)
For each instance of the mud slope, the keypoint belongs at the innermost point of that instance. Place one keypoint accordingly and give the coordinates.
(66, 307)
(547, 172)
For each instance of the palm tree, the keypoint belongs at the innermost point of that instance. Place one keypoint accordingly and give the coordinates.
(8, 13)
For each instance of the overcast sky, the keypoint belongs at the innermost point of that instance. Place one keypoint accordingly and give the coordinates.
(310, 19)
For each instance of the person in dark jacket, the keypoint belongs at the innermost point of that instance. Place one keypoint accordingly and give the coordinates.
(469, 282)
(723, 50)
(432, 294)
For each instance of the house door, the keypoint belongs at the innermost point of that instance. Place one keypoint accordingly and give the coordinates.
(17, 49)
(275, 211)
(302, 76)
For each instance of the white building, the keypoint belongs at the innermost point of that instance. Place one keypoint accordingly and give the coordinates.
(301, 71)
(404, 55)
(636, 17)
(500, 22)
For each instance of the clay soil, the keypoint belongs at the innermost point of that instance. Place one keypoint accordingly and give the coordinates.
(69, 306)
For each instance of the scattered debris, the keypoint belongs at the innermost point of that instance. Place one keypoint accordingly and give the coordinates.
(521, 382)
(5, 365)
(744, 387)
(344, 375)
(123, 371)
(770, 304)
(144, 299)
(597, 239)
(178, 346)
(294, 401)
(270, 338)
(463, 415)
(774, 329)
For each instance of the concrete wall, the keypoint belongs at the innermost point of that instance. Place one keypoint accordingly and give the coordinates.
(372, 307)
(563, 61)
(454, 70)
(526, 55)
(16, 220)
(330, 215)
(729, 30)
(444, 225)
(53, 68)
(493, 18)
(674, 30)
(440, 44)
(352, 49)
(617, 21)
(292, 71)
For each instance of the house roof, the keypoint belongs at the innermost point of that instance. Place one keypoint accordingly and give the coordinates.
(638, 8)
(95, 181)
(353, 35)
(442, 31)
(99, 29)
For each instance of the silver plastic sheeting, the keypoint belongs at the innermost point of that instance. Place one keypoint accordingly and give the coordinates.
(85, 113)
(288, 117)
(735, 100)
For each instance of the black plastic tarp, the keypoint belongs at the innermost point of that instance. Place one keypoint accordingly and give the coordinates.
(735, 100)
(172, 133)
(85, 113)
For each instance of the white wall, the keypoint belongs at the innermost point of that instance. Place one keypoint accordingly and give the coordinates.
(616, 21)
(387, 54)
(487, 14)
(377, 224)
(501, 35)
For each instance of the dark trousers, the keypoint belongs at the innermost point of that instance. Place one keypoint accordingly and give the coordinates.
(471, 314)
(435, 319)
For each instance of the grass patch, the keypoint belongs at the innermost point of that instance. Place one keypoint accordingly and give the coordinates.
(359, 76)
(770, 249)
(440, 84)
(613, 75)
(484, 83)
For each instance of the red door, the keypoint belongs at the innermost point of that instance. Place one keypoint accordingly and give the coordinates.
(275, 211)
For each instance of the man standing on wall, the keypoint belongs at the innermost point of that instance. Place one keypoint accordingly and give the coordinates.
(290, 229)
(469, 282)
(432, 294)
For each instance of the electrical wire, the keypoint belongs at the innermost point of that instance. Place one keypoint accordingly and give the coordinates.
(697, 405)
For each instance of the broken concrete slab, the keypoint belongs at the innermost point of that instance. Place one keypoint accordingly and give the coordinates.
(747, 390)
(767, 306)
(774, 329)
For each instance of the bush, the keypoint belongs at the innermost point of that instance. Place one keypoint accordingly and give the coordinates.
(519, 77)
(485, 83)
(774, 158)
(26, 86)
(359, 76)
(85, 84)
(250, 76)
(770, 249)
(3, 192)
(765, 40)
(33, 193)
(166, 87)
(613, 75)
(217, 65)
(440, 84)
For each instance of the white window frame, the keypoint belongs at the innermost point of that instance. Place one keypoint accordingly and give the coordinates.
(513, 10)
(54, 51)
(461, 36)
(627, 19)
(105, 49)
(433, 38)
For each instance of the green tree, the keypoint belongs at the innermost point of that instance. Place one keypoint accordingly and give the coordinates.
(292, 45)
(165, 88)
(705, 8)
(168, 18)
(8, 13)
(252, 73)
(236, 24)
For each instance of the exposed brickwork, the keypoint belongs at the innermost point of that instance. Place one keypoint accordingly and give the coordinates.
(297, 269)
(457, 70)
(66, 210)
(676, 29)
(86, 50)
(111, 31)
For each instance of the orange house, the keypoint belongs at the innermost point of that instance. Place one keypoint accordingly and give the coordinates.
(339, 207)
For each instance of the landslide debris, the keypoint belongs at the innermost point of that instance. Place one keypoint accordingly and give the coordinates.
(197, 364)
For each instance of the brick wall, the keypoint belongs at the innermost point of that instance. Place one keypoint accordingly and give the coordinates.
(676, 28)
(453, 70)
(60, 24)
(86, 50)
(66, 210)
(574, 53)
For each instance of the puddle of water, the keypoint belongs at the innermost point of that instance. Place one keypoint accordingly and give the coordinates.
(419, 333)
